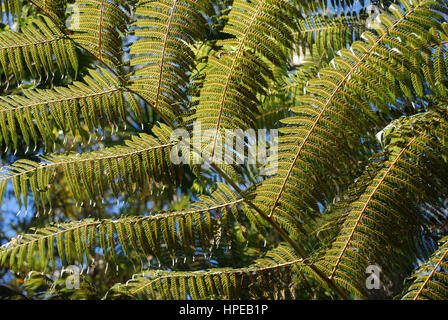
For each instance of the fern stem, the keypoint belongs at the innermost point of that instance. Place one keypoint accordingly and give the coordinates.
(442, 43)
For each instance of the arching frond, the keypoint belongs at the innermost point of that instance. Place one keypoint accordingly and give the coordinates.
(267, 278)
(143, 159)
(99, 27)
(162, 53)
(97, 101)
(318, 141)
(431, 279)
(39, 48)
(174, 234)
(377, 228)
(327, 75)
(236, 75)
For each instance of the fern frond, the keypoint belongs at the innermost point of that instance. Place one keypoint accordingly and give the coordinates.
(318, 140)
(97, 101)
(143, 159)
(328, 33)
(162, 53)
(40, 48)
(176, 234)
(268, 278)
(276, 106)
(431, 279)
(435, 66)
(313, 6)
(100, 29)
(388, 209)
(55, 9)
(237, 74)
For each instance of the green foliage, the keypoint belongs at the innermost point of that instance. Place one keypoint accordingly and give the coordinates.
(387, 209)
(321, 131)
(267, 278)
(144, 160)
(238, 71)
(100, 27)
(40, 48)
(163, 55)
(325, 34)
(88, 113)
(97, 101)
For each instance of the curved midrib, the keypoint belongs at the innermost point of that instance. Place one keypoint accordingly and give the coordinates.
(100, 31)
(61, 163)
(162, 58)
(328, 103)
(57, 100)
(229, 76)
(431, 275)
(367, 203)
(154, 217)
(36, 43)
(244, 271)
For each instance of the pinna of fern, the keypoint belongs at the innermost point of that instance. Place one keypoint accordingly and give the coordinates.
(144, 159)
(322, 34)
(39, 48)
(98, 102)
(229, 101)
(162, 56)
(100, 28)
(266, 278)
(316, 142)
